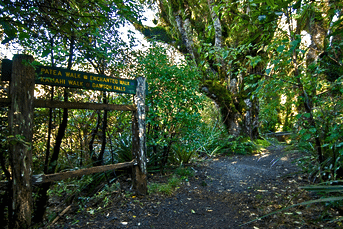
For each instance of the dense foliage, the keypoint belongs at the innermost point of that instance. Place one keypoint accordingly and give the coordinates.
(174, 104)
(220, 75)
(276, 65)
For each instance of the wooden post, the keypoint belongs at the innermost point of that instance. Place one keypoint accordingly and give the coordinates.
(20, 120)
(139, 140)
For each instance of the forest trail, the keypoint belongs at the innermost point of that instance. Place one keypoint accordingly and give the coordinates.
(225, 192)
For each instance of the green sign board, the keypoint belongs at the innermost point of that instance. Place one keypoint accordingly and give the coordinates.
(75, 79)
(67, 78)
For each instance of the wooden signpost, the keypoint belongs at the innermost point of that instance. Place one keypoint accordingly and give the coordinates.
(20, 121)
(23, 76)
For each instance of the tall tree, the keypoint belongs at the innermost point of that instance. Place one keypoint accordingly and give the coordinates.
(219, 36)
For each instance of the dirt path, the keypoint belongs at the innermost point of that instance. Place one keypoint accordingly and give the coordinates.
(224, 193)
(240, 173)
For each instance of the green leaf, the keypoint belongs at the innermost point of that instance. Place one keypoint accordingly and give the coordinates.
(313, 130)
(307, 115)
(307, 137)
(46, 52)
(268, 70)
(322, 188)
(270, 3)
(262, 17)
(302, 132)
(225, 54)
(280, 48)
(294, 44)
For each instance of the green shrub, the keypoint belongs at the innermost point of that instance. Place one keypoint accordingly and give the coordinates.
(181, 174)
(174, 101)
(165, 189)
(182, 154)
(240, 145)
(262, 143)
(184, 172)
(123, 148)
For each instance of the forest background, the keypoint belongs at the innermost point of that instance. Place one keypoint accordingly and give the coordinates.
(221, 75)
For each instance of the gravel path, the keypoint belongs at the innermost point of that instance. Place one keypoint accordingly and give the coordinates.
(240, 173)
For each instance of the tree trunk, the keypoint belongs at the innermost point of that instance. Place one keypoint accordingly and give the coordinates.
(230, 105)
(91, 142)
(251, 123)
(42, 195)
(47, 156)
(306, 101)
(100, 160)
(184, 28)
(218, 41)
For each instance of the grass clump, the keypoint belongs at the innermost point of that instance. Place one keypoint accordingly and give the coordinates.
(262, 143)
(165, 188)
(181, 174)
(184, 172)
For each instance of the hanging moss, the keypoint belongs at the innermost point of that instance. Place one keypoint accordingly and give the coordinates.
(224, 98)
(220, 94)
(175, 5)
(232, 106)
(159, 33)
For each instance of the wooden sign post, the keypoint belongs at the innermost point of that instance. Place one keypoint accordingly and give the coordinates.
(139, 139)
(20, 121)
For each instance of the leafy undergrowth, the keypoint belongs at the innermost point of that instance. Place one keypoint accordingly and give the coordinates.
(307, 216)
(218, 193)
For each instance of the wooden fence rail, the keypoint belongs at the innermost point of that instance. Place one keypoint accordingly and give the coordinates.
(45, 178)
(73, 105)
